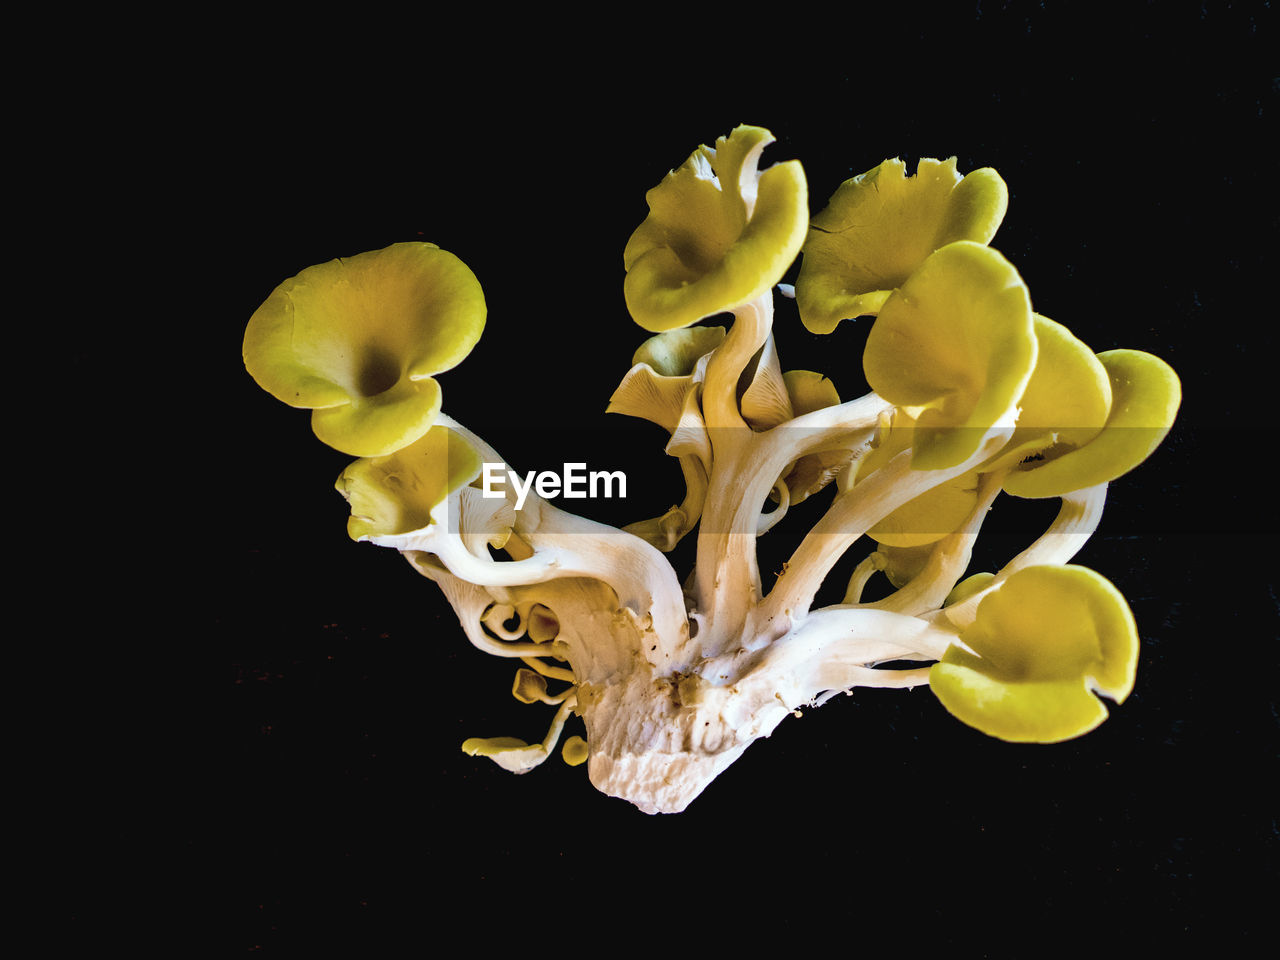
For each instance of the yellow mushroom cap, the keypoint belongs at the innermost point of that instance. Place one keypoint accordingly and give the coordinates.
(358, 339)
(719, 233)
(1145, 395)
(880, 226)
(676, 352)
(575, 751)
(529, 686)
(1064, 406)
(957, 341)
(1069, 395)
(395, 494)
(1042, 643)
(662, 374)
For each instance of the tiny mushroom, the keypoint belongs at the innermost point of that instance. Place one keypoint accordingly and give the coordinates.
(397, 494)
(357, 340)
(575, 751)
(662, 374)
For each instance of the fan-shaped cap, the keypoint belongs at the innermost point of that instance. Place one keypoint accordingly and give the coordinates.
(396, 494)
(956, 341)
(1042, 643)
(719, 234)
(880, 226)
(358, 339)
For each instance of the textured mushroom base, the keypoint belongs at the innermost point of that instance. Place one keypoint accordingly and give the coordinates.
(973, 395)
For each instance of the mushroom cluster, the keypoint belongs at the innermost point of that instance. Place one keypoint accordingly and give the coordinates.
(973, 394)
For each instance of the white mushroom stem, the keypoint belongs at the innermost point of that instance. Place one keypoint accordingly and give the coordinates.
(751, 326)
(554, 673)
(948, 561)
(832, 649)
(861, 635)
(851, 515)
(872, 677)
(767, 520)
(747, 464)
(845, 426)
(566, 546)
(1077, 519)
(863, 572)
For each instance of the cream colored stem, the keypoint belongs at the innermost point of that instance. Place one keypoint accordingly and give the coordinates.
(751, 326)
(833, 649)
(554, 673)
(747, 464)
(896, 679)
(767, 520)
(863, 572)
(726, 583)
(557, 724)
(850, 516)
(544, 565)
(948, 561)
(1070, 531)
(863, 635)
(567, 545)
(844, 426)
(726, 577)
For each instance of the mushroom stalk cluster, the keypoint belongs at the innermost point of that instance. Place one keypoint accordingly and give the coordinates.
(973, 395)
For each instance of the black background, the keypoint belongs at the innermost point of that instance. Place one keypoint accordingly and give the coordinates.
(1141, 215)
